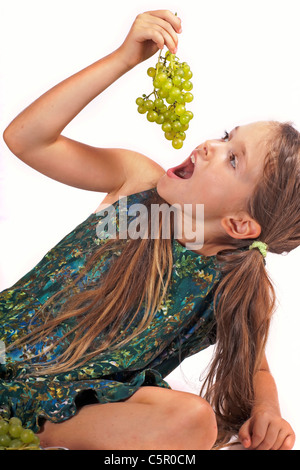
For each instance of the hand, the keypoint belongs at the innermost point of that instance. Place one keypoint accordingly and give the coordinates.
(150, 32)
(266, 430)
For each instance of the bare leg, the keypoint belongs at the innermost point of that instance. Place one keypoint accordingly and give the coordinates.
(153, 418)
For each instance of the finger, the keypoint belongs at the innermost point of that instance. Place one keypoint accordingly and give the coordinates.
(258, 433)
(244, 434)
(166, 26)
(168, 40)
(282, 435)
(154, 35)
(288, 443)
(270, 437)
(168, 16)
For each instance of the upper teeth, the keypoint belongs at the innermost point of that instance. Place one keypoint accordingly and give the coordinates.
(193, 159)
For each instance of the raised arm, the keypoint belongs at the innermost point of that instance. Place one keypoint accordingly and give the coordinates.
(35, 137)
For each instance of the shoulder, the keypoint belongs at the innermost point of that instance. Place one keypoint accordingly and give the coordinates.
(141, 173)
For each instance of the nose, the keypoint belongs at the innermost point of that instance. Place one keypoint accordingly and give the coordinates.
(205, 150)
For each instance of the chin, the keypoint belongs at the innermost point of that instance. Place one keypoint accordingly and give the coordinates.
(168, 191)
(164, 190)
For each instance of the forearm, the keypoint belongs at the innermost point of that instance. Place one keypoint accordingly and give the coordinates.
(43, 121)
(265, 391)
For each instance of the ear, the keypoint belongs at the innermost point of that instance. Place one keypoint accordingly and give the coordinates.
(241, 226)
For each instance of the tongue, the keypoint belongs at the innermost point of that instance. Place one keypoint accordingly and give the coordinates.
(184, 173)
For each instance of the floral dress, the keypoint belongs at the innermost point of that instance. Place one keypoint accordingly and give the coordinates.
(180, 328)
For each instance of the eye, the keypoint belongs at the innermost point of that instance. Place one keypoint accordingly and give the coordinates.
(232, 156)
(225, 136)
(233, 160)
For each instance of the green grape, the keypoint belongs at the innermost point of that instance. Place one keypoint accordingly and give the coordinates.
(171, 93)
(15, 444)
(180, 72)
(166, 127)
(184, 119)
(5, 440)
(167, 85)
(170, 100)
(173, 116)
(177, 143)
(188, 75)
(180, 109)
(168, 114)
(3, 427)
(151, 71)
(142, 110)
(188, 97)
(162, 77)
(158, 103)
(152, 116)
(162, 93)
(181, 135)
(157, 84)
(185, 127)
(190, 114)
(187, 85)
(16, 421)
(139, 101)
(15, 430)
(160, 119)
(149, 104)
(174, 93)
(176, 126)
(169, 135)
(180, 98)
(27, 436)
(177, 80)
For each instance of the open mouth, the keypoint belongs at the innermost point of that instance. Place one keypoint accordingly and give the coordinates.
(183, 171)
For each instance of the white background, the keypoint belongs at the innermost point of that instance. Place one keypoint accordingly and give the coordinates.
(245, 60)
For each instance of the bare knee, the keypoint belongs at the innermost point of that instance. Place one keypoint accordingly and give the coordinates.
(196, 422)
(190, 420)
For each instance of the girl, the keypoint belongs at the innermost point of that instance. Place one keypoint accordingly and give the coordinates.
(91, 331)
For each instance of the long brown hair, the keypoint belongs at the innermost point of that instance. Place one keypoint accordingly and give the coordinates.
(244, 299)
(138, 276)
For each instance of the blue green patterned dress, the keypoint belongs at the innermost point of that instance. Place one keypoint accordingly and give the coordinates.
(181, 327)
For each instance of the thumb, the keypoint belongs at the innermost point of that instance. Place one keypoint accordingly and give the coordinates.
(244, 434)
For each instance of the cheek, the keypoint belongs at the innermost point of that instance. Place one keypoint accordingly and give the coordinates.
(217, 193)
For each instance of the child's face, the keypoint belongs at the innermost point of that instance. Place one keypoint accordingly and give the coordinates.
(224, 175)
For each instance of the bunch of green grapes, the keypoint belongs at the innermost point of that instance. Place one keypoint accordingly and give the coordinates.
(172, 92)
(13, 436)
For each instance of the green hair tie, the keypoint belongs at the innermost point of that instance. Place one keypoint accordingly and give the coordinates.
(263, 247)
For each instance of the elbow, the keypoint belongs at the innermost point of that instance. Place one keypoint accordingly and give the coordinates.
(8, 137)
(12, 141)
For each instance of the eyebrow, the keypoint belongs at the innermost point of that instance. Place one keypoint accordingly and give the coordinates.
(244, 151)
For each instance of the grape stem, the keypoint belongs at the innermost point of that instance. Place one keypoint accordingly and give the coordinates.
(147, 97)
(172, 62)
(158, 62)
